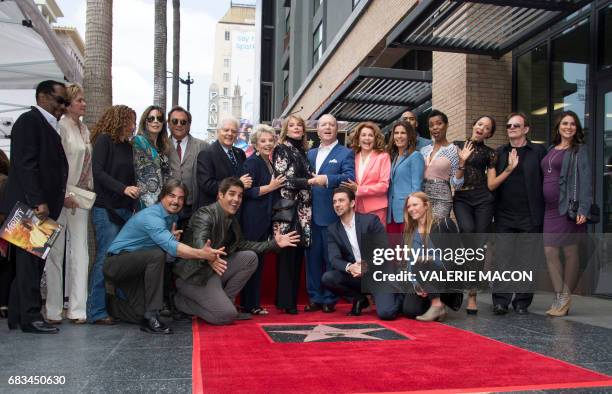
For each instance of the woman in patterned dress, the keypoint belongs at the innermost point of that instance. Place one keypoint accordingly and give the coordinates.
(443, 166)
(151, 146)
(289, 160)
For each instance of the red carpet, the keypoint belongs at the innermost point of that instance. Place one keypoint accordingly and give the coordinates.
(434, 358)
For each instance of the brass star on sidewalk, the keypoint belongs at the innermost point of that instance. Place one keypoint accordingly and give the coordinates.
(322, 332)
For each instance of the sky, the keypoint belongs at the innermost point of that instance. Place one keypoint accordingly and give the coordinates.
(133, 24)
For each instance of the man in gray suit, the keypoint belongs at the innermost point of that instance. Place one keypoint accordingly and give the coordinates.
(183, 155)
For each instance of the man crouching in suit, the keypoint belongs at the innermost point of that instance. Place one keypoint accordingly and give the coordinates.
(347, 253)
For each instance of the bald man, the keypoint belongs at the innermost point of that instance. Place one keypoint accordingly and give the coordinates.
(334, 164)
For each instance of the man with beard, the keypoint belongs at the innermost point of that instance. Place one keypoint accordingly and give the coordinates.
(136, 258)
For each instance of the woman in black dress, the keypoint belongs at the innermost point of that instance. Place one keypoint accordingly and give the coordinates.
(289, 160)
(256, 218)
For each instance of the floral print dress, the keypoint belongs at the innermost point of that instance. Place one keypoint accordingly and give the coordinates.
(152, 171)
(289, 160)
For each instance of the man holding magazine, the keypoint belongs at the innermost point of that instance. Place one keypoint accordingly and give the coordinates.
(37, 177)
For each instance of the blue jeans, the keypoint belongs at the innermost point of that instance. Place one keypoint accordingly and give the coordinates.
(106, 231)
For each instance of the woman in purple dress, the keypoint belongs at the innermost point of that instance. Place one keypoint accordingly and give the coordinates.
(567, 179)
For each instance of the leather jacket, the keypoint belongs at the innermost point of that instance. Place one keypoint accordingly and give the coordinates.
(211, 222)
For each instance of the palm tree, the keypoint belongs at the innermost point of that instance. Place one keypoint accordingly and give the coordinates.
(97, 80)
(176, 49)
(159, 54)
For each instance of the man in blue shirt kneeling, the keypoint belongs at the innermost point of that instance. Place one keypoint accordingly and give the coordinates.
(136, 259)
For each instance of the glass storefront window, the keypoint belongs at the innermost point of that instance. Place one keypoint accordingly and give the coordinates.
(607, 188)
(532, 80)
(605, 41)
(571, 55)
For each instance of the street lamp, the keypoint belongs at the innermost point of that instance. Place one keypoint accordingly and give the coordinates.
(189, 81)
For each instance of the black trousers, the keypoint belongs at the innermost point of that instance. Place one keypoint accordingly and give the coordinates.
(515, 253)
(289, 272)
(138, 278)
(7, 273)
(474, 211)
(25, 300)
(250, 297)
(342, 284)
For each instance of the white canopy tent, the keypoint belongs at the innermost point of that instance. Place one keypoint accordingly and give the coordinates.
(29, 53)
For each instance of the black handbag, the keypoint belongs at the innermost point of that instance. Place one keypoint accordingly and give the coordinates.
(594, 214)
(284, 210)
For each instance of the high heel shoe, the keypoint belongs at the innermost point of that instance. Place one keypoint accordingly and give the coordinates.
(555, 305)
(565, 300)
(3, 312)
(434, 313)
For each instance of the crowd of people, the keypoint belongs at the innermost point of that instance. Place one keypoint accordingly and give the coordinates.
(181, 226)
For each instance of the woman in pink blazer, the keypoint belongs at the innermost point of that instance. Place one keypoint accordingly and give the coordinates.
(372, 170)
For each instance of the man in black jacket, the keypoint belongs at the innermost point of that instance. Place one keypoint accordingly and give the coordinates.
(37, 178)
(348, 253)
(218, 161)
(207, 288)
(519, 210)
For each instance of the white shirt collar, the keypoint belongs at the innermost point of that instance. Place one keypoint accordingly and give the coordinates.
(351, 224)
(328, 147)
(50, 118)
(183, 141)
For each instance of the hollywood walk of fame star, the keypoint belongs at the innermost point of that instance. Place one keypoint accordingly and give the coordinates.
(323, 331)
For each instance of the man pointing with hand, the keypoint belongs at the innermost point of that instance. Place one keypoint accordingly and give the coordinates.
(136, 258)
(207, 286)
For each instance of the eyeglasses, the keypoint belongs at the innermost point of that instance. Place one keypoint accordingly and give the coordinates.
(175, 122)
(152, 119)
(60, 100)
(513, 126)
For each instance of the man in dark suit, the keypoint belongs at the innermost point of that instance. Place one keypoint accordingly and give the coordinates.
(218, 161)
(334, 164)
(37, 178)
(183, 154)
(346, 251)
(519, 213)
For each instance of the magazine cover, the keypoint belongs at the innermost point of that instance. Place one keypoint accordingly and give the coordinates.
(23, 229)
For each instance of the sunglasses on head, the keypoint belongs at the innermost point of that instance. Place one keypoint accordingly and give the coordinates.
(175, 122)
(152, 119)
(60, 100)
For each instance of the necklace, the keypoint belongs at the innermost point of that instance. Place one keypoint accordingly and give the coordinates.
(551, 158)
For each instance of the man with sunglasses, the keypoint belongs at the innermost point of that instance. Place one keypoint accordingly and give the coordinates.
(37, 177)
(183, 155)
(519, 213)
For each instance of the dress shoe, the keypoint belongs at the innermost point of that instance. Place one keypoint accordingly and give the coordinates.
(39, 327)
(244, 316)
(180, 316)
(291, 311)
(107, 321)
(328, 308)
(358, 305)
(521, 310)
(499, 309)
(154, 326)
(563, 305)
(313, 307)
(78, 321)
(434, 313)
